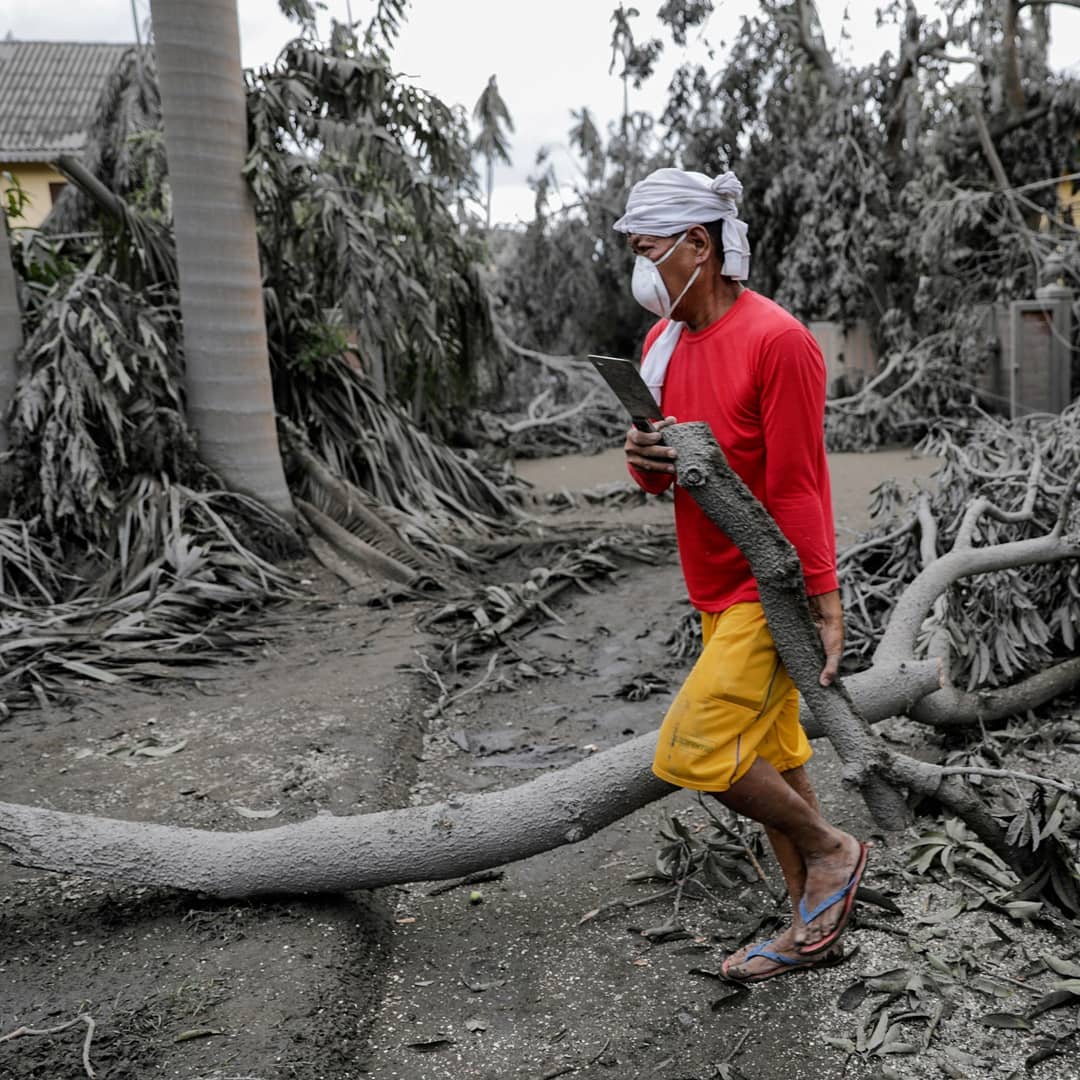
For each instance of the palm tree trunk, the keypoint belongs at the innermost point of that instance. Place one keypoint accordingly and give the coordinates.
(229, 397)
(10, 331)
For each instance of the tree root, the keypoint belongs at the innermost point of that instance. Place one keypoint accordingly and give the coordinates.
(82, 1018)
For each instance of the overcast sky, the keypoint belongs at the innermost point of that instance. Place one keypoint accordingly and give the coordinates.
(549, 57)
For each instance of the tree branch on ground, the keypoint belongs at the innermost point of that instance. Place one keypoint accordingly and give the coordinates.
(467, 834)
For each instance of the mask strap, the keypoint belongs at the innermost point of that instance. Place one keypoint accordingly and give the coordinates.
(671, 249)
(686, 289)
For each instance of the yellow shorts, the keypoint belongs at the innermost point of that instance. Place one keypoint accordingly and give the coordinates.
(738, 703)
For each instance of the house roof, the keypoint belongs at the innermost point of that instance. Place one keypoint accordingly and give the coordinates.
(48, 90)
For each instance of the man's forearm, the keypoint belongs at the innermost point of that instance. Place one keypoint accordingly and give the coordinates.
(828, 615)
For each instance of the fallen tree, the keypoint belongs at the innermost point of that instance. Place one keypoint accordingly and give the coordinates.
(467, 834)
(995, 517)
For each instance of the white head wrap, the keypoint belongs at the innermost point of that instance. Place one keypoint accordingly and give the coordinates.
(667, 202)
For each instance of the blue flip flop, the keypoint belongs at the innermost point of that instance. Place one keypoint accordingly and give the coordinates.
(786, 963)
(846, 896)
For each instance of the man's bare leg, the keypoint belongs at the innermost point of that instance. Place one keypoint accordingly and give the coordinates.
(828, 855)
(792, 866)
(793, 870)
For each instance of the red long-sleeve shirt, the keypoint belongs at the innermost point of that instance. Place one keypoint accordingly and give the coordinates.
(757, 377)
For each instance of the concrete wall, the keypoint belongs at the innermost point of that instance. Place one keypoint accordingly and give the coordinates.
(850, 358)
(35, 178)
(1037, 332)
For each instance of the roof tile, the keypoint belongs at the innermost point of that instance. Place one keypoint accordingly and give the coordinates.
(48, 90)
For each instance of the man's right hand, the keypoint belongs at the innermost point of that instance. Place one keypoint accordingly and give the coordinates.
(644, 452)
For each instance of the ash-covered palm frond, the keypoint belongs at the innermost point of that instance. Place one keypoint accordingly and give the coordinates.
(125, 148)
(100, 403)
(137, 245)
(374, 445)
(28, 573)
(179, 588)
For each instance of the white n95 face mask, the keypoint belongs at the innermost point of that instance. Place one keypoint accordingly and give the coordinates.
(648, 286)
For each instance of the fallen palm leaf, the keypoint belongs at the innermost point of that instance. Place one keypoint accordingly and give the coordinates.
(160, 751)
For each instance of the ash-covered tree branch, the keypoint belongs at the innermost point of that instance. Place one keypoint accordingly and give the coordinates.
(423, 843)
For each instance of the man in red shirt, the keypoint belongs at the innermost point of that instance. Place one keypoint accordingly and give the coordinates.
(733, 358)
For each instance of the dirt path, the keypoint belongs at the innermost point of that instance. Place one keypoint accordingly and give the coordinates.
(854, 477)
(182, 985)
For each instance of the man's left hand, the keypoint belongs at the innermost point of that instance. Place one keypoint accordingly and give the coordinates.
(828, 616)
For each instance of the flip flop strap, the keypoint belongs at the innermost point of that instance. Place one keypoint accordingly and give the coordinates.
(809, 916)
(769, 954)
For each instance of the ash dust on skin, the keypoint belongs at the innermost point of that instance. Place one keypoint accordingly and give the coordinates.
(498, 981)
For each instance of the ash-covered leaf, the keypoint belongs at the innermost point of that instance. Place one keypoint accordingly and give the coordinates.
(160, 751)
(737, 992)
(1047, 1049)
(1065, 968)
(1009, 1021)
(866, 895)
(896, 1046)
(1023, 909)
(1054, 1000)
(197, 1033)
(934, 918)
(853, 996)
(425, 1046)
(892, 982)
(841, 1044)
(669, 931)
(707, 973)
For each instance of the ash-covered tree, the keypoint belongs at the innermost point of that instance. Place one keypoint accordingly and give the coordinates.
(10, 316)
(355, 178)
(915, 193)
(493, 117)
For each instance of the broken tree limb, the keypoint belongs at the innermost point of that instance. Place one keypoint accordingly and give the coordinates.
(887, 690)
(880, 773)
(952, 708)
(703, 471)
(916, 601)
(352, 547)
(423, 843)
